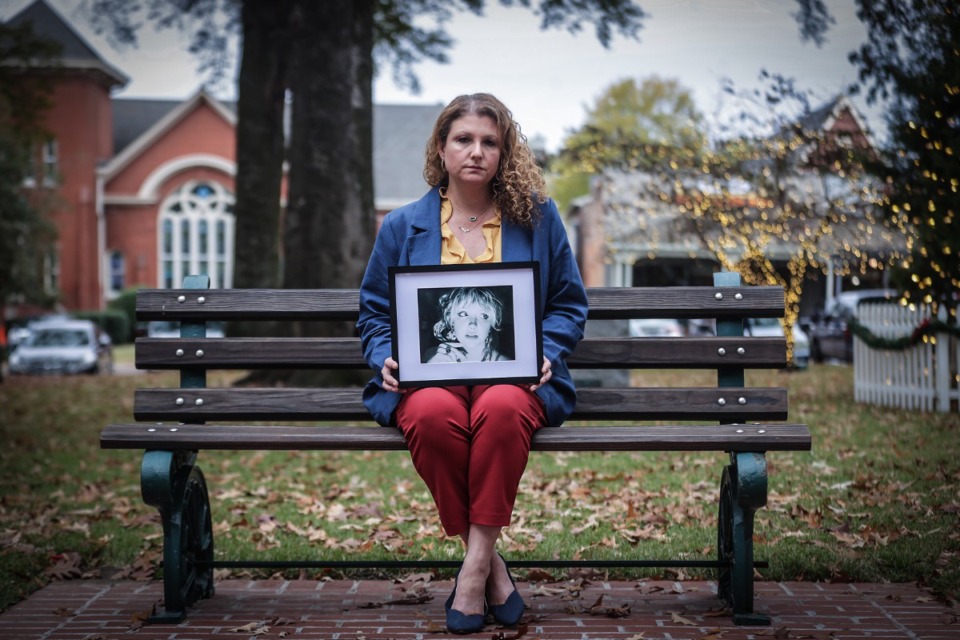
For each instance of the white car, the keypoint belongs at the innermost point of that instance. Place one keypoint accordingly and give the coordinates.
(655, 327)
(771, 327)
(63, 347)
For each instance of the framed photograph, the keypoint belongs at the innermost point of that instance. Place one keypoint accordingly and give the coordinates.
(466, 324)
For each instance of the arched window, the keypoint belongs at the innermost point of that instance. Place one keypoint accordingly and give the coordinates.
(196, 235)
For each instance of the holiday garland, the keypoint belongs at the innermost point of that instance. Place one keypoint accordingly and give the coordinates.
(926, 328)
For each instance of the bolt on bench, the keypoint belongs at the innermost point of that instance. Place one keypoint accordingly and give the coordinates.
(727, 414)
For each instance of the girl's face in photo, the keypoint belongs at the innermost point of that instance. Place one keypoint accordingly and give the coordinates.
(471, 324)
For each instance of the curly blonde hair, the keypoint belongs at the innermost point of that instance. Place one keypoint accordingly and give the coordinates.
(518, 187)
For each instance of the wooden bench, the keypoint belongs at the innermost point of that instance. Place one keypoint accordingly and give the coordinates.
(172, 427)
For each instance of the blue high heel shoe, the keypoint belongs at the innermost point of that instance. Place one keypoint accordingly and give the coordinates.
(459, 622)
(509, 613)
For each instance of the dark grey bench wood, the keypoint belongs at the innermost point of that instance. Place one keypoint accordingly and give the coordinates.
(172, 426)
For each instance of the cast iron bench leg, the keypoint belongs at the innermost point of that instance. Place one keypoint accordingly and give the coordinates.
(171, 482)
(743, 489)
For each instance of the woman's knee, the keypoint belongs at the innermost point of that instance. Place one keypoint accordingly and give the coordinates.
(508, 409)
(431, 412)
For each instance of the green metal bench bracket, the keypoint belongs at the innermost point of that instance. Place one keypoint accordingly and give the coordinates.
(743, 490)
(171, 482)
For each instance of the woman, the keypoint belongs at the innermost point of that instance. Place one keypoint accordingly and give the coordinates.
(470, 321)
(470, 443)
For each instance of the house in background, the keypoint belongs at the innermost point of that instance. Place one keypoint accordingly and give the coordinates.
(144, 189)
(629, 232)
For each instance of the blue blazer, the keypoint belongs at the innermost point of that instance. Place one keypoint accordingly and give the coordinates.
(411, 235)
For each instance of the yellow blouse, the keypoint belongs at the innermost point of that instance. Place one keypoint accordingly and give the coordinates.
(452, 252)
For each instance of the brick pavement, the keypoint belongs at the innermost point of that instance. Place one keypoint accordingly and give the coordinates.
(373, 610)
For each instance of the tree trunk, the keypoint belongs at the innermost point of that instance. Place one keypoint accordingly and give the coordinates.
(330, 214)
(260, 141)
(330, 219)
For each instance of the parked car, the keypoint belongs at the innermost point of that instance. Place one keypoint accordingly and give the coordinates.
(17, 336)
(63, 347)
(829, 331)
(655, 327)
(771, 327)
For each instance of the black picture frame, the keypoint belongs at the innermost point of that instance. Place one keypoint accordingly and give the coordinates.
(466, 324)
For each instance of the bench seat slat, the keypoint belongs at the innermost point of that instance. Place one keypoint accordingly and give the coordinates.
(312, 404)
(343, 304)
(345, 353)
(777, 437)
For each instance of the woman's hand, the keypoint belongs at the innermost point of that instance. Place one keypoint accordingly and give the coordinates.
(390, 383)
(545, 374)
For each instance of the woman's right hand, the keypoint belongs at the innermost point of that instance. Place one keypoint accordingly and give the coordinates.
(390, 383)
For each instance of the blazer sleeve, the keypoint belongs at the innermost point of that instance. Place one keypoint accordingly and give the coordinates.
(374, 320)
(565, 303)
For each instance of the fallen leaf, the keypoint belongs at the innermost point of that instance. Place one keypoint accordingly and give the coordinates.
(676, 618)
(539, 575)
(256, 628)
(65, 567)
(521, 632)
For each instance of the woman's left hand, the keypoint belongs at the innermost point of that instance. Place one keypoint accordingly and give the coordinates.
(545, 374)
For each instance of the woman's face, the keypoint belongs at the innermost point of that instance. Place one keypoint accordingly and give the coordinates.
(471, 151)
(471, 324)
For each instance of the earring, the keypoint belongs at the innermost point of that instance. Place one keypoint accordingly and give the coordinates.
(443, 165)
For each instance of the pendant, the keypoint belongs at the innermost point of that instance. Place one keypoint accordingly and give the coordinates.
(472, 218)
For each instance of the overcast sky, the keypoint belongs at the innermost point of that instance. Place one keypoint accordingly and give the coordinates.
(549, 78)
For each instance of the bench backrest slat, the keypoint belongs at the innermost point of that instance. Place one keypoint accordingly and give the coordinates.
(343, 304)
(345, 353)
(319, 405)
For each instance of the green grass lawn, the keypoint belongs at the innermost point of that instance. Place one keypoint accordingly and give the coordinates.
(876, 500)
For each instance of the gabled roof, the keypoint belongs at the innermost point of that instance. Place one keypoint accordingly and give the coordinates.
(132, 117)
(822, 119)
(167, 119)
(817, 119)
(48, 24)
(400, 135)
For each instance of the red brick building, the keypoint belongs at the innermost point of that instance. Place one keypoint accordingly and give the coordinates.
(144, 189)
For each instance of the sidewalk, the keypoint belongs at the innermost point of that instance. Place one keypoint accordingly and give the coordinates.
(381, 610)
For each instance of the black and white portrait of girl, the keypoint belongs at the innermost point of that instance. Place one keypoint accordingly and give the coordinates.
(470, 327)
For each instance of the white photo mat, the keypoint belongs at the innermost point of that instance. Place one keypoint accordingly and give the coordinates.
(414, 312)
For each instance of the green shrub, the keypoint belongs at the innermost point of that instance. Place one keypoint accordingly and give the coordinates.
(115, 323)
(126, 303)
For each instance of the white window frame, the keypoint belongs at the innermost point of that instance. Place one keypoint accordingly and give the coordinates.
(50, 154)
(187, 211)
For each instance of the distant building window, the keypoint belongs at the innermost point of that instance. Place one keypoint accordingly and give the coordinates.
(51, 271)
(50, 155)
(196, 235)
(117, 272)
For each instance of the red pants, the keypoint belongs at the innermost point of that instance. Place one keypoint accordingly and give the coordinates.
(470, 445)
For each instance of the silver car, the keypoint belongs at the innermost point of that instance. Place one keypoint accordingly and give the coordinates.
(63, 347)
(829, 330)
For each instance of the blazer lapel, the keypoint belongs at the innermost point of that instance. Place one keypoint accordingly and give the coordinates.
(423, 242)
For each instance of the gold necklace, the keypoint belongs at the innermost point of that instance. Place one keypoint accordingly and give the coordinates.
(477, 220)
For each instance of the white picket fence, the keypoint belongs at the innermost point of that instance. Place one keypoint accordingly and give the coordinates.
(924, 377)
